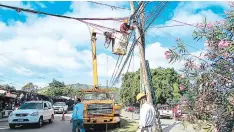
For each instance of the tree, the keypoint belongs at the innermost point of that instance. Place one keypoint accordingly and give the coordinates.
(56, 88)
(164, 83)
(56, 84)
(30, 87)
(8, 87)
(210, 78)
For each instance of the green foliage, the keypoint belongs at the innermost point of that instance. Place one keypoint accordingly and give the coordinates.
(56, 84)
(30, 87)
(211, 78)
(165, 82)
(8, 87)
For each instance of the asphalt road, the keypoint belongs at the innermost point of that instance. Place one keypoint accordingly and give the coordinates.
(56, 126)
(168, 125)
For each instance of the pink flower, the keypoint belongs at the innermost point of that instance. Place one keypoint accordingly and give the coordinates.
(198, 25)
(230, 69)
(226, 44)
(207, 65)
(212, 84)
(226, 66)
(223, 22)
(167, 54)
(181, 87)
(209, 25)
(198, 66)
(223, 43)
(182, 76)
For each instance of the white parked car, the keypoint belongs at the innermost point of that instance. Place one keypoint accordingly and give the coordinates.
(59, 107)
(165, 111)
(32, 112)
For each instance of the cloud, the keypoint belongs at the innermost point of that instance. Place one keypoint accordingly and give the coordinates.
(23, 71)
(53, 43)
(41, 5)
(15, 4)
(60, 48)
(191, 13)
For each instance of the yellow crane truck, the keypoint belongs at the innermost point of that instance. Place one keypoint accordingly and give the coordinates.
(99, 107)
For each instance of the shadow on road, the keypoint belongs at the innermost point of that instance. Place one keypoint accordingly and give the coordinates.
(169, 127)
(30, 126)
(124, 124)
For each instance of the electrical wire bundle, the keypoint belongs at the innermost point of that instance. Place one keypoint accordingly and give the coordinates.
(155, 14)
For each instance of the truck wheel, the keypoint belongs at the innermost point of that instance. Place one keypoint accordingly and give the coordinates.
(12, 126)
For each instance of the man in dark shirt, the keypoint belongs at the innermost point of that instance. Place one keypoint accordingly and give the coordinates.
(124, 27)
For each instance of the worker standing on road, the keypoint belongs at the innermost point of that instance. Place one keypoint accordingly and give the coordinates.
(147, 115)
(77, 116)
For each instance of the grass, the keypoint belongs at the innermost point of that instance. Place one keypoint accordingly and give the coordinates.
(127, 126)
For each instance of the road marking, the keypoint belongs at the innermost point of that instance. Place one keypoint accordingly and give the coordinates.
(4, 127)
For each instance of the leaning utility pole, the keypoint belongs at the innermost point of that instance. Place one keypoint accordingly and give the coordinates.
(141, 46)
(140, 36)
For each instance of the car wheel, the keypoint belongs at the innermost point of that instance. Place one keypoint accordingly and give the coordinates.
(40, 122)
(12, 126)
(51, 119)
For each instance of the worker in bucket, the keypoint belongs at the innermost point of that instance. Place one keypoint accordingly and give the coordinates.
(125, 27)
(147, 115)
(77, 116)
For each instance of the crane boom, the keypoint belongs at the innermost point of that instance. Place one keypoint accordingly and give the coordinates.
(94, 56)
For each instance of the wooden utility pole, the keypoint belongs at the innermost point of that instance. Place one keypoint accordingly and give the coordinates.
(142, 57)
(140, 36)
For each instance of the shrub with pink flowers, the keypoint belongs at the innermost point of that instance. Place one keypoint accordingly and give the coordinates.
(209, 75)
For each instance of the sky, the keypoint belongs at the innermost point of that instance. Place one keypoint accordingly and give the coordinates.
(38, 48)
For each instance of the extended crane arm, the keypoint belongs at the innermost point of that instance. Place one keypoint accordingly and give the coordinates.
(94, 55)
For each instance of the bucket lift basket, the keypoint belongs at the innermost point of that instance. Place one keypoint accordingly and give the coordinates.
(119, 45)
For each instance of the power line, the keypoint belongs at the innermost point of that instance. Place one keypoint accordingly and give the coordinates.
(136, 11)
(10, 79)
(115, 72)
(112, 6)
(130, 60)
(125, 62)
(18, 9)
(18, 64)
(153, 12)
(114, 76)
(168, 26)
(114, 69)
(132, 47)
(67, 17)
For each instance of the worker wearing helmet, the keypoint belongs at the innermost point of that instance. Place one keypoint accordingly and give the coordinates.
(147, 115)
(125, 27)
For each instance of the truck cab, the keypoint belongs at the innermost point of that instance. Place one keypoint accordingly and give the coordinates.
(99, 108)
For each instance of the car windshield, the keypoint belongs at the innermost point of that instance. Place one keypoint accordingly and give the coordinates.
(96, 96)
(59, 104)
(31, 106)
